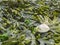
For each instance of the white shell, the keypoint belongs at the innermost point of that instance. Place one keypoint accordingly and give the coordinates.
(43, 28)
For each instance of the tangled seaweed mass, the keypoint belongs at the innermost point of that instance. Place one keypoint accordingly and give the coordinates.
(29, 22)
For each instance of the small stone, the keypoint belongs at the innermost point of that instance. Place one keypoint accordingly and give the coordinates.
(43, 28)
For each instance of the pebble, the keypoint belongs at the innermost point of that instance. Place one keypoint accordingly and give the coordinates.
(43, 28)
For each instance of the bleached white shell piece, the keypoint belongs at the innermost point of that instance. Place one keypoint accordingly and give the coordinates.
(43, 28)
